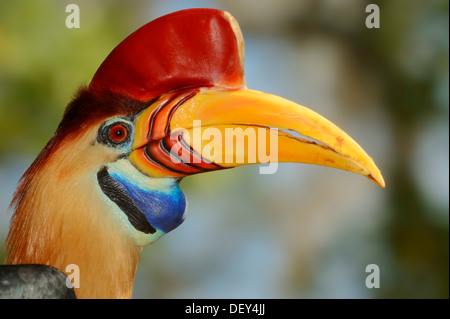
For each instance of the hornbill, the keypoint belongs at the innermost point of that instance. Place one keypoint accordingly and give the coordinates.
(107, 182)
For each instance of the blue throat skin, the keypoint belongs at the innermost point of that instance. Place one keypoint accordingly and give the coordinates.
(150, 207)
(164, 210)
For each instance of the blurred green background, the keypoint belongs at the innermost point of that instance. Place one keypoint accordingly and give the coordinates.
(306, 231)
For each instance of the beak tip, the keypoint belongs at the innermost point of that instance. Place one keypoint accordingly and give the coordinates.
(378, 180)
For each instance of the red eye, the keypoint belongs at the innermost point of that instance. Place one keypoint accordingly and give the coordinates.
(118, 133)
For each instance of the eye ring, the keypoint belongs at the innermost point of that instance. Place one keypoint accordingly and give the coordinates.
(115, 134)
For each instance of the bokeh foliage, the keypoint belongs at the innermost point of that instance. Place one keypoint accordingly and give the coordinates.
(41, 66)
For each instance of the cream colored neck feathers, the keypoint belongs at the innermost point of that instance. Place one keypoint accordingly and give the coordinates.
(63, 219)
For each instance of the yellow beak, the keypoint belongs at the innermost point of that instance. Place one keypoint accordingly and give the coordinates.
(228, 128)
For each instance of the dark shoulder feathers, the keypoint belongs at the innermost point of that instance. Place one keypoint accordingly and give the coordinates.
(33, 282)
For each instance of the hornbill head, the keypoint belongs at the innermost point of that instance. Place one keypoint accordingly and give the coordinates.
(159, 108)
